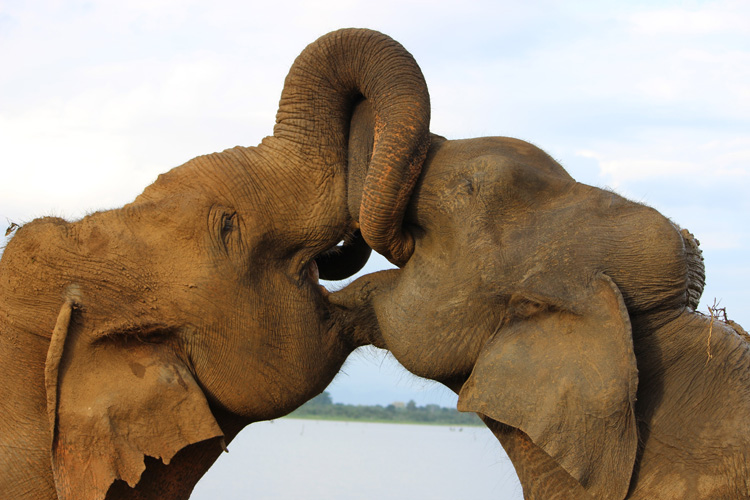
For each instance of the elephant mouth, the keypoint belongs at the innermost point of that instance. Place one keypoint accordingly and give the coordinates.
(313, 275)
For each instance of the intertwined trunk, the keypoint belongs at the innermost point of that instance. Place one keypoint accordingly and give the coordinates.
(326, 81)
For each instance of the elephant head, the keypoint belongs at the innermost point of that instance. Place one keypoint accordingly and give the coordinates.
(135, 342)
(565, 316)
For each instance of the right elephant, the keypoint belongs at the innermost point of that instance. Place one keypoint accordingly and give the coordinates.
(565, 316)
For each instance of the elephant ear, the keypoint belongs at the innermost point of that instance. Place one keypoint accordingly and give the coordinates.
(564, 372)
(114, 399)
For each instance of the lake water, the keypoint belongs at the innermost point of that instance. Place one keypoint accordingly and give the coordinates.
(323, 460)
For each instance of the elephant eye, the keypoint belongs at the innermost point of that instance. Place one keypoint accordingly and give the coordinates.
(228, 224)
(224, 227)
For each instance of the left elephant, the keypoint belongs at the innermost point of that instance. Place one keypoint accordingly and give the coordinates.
(135, 343)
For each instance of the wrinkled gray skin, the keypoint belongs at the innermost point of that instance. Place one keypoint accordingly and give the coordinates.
(565, 316)
(135, 342)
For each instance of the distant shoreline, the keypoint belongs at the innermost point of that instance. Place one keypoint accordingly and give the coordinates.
(323, 408)
(293, 416)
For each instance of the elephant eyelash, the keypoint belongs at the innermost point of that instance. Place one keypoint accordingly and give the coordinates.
(224, 228)
(228, 223)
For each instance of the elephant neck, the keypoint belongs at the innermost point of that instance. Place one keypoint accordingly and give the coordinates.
(693, 400)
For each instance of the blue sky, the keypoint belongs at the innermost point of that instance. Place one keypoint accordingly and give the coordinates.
(651, 99)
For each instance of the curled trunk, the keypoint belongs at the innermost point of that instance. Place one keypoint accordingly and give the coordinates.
(326, 81)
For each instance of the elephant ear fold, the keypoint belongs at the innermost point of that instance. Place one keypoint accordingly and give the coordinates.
(564, 373)
(114, 399)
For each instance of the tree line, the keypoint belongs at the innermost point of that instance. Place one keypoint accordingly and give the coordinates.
(322, 407)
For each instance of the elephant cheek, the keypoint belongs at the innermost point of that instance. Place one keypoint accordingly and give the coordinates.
(264, 365)
(428, 335)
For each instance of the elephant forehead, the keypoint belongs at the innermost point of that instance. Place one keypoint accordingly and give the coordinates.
(463, 182)
(506, 246)
(230, 177)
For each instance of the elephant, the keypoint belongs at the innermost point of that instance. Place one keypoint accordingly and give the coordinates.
(565, 316)
(135, 343)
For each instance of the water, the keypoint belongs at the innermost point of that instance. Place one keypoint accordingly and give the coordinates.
(323, 460)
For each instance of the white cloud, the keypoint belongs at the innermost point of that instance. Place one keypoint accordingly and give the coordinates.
(100, 97)
(717, 18)
(617, 170)
(54, 165)
(660, 154)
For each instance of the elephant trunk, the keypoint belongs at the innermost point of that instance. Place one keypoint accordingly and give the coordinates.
(325, 82)
(358, 302)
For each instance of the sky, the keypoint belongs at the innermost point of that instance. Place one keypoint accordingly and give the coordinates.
(651, 99)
